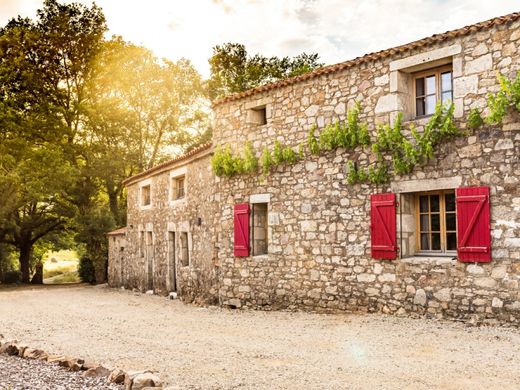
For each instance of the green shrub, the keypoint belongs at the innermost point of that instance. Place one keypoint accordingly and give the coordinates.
(312, 141)
(266, 161)
(506, 98)
(289, 155)
(277, 153)
(250, 160)
(86, 270)
(475, 119)
(12, 277)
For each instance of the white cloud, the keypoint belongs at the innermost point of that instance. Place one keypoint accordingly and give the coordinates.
(336, 29)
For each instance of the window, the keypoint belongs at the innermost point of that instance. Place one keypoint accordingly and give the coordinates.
(185, 253)
(259, 219)
(431, 87)
(178, 190)
(258, 115)
(146, 196)
(436, 222)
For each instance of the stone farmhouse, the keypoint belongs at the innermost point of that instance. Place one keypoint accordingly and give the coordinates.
(442, 239)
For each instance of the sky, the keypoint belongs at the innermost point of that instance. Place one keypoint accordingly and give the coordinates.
(338, 30)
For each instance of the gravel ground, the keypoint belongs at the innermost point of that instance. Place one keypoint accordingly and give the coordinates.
(212, 348)
(26, 374)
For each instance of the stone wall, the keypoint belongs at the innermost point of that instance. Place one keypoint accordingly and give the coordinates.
(319, 236)
(116, 258)
(157, 235)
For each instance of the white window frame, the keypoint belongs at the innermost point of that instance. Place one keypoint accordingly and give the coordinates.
(145, 183)
(254, 199)
(182, 171)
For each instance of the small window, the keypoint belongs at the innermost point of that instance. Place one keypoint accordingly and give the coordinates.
(258, 116)
(431, 87)
(185, 253)
(259, 219)
(146, 197)
(178, 187)
(436, 222)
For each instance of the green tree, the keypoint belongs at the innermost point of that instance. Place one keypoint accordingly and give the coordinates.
(233, 70)
(44, 66)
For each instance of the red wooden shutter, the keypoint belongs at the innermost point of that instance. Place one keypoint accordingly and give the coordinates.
(241, 230)
(383, 226)
(473, 224)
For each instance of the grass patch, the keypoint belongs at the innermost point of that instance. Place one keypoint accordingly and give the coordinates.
(71, 277)
(61, 267)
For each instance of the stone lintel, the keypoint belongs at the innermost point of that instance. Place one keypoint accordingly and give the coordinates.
(260, 198)
(432, 57)
(444, 183)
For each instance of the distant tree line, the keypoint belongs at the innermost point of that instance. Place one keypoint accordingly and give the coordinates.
(79, 113)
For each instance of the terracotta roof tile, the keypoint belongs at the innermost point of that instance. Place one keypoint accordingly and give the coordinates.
(159, 167)
(374, 56)
(117, 232)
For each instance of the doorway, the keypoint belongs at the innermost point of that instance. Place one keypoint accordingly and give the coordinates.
(172, 263)
(149, 258)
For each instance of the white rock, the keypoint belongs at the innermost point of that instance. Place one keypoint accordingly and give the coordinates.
(497, 303)
(504, 144)
(465, 85)
(382, 80)
(443, 295)
(420, 297)
(479, 65)
(312, 110)
(366, 278)
(386, 103)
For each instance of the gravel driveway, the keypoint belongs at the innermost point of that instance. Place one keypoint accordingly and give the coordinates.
(212, 348)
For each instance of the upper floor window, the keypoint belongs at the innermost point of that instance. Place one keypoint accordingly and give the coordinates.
(258, 115)
(432, 86)
(178, 187)
(146, 195)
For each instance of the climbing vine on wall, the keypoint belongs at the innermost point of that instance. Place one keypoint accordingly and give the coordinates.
(390, 147)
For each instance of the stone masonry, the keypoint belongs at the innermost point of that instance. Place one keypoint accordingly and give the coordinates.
(319, 226)
(318, 232)
(171, 239)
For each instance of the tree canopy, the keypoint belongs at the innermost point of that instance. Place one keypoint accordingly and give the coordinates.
(233, 70)
(80, 112)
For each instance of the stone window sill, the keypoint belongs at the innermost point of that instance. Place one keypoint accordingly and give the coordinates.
(260, 257)
(425, 259)
(177, 202)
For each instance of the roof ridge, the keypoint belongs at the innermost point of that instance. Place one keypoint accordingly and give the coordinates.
(372, 56)
(158, 167)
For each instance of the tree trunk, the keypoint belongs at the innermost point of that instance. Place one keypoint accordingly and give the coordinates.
(25, 260)
(38, 274)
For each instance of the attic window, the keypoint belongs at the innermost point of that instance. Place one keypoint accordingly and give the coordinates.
(258, 116)
(146, 198)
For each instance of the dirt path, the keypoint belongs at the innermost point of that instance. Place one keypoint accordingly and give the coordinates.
(221, 349)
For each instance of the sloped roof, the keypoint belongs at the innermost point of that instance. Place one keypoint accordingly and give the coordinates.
(165, 165)
(117, 232)
(436, 38)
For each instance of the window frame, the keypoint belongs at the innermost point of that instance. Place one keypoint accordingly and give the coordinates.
(437, 72)
(257, 116)
(442, 216)
(175, 187)
(142, 186)
(254, 206)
